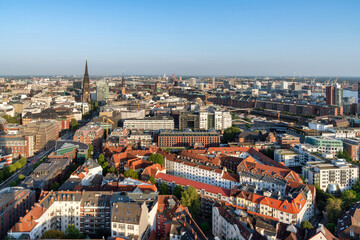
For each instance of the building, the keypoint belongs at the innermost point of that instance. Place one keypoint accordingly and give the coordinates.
(86, 86)
(57, 210)
(348, 225)
(47, 173)
(62, 115)
(45, 134)
(288, 157)
(352, 147)
(90, 134)
(325, 144)
(154, 123)
(14, 203)
(331, 176)
(204, 120)
(288, 141)
(17, 146)
(334, 95)
(5, 158)
(186, 139)
(102, 90)
(330, 95)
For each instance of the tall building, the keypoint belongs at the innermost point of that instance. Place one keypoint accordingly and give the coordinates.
(123, 85)
(102, 90)
(86, 85)
(334, 95)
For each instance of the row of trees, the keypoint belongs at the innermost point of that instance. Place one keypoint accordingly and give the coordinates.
(10, 119)
(71, 232)
(7, 171)
(105, 165)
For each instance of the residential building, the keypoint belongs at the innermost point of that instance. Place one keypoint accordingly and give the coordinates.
(352, 147)
(5, 158)
(288, 157)
(154, 123)
(90, 134)
(288, 141)
(331, 176)
(348, 225)
(186, 139)
(325, 144)
(17, 146)
(14, 203)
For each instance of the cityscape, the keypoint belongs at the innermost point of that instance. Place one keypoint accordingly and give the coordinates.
(143, 135)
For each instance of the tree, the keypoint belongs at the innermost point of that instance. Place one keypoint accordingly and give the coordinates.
(12, 168)
(321, 198)
(349, 198)
(307, 225)
(333, 209)
(164, 189)
(90, 151)
(111, 170)
(204, 226)
(190, 199)
(74, 125)
(156, 158)
(22, 161)
(101, 159)
(248, 125)
(230, 133)
(21, 177)
(53, 234)
(12, 184)
(331, 227)
(6, 172)
(17, 165)
(152, 179)
(10, 119)
(178, 191)
(54, 186)
(1, 176)
(73, 233)
(131, 173)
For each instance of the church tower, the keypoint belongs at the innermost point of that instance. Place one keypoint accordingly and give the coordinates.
(86, 86)
(123, 85)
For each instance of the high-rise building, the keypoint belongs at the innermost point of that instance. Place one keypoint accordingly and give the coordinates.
(102, 90)
(284, 85)
(358, 92)
(334, 95)
(330, 98)
(86, 86)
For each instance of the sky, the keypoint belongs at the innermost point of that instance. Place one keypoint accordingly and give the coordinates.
(240, 37)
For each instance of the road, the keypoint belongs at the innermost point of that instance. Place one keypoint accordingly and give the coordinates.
(27, 169)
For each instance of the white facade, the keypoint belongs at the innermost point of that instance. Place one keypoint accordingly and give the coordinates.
(288, 157)
(218, 120)
(203, 120)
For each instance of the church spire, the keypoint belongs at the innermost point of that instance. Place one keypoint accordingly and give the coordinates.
(123, 84)
(86, 85)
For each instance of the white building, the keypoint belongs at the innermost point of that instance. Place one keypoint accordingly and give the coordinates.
(288, 157)
(335, 175)
(284, 85)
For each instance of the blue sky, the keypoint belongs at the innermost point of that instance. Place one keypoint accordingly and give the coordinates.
(243, 37)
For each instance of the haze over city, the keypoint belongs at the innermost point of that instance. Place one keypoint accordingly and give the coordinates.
(257, 38)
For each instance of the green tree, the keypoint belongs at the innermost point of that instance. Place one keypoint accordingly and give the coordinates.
(12, 168)
(13, 183)
(331, 227)
(157, 158)
(111, 170)
(6, 172)
(178, 190)
(333, 209)
(231, 133)
(53, 234)
(164, 189)
(131, 173)
(90, 151)
(204, 226)
(73, 233)
(152, 179)
(10, 119)
(1, 176)
(306, 225)
(248, 125)
(74, 125)
(22, 161)
(17, 165)
(190, 199)
(321, 198)
(349, 198)
(101, 159)
(21, 177)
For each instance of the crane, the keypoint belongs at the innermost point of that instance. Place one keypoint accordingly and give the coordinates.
(107, 125)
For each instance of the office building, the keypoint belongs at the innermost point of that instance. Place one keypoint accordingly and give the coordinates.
(154, 123)
(187, 139)
(102, 90)
(325, 144)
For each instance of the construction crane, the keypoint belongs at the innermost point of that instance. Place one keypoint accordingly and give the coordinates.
(107, 125)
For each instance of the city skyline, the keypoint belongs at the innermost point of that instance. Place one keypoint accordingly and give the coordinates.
(255, 38)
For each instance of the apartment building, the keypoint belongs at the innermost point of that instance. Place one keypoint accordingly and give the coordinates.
(325, 144)
(331, 176)
(154, 123)
(352, 146)
(14, 202)
(204, 120)
(90, 134)
(287, 141)
(186, 139)
(288, 157)
(5, 159)
(293, 208)
(88, 211)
